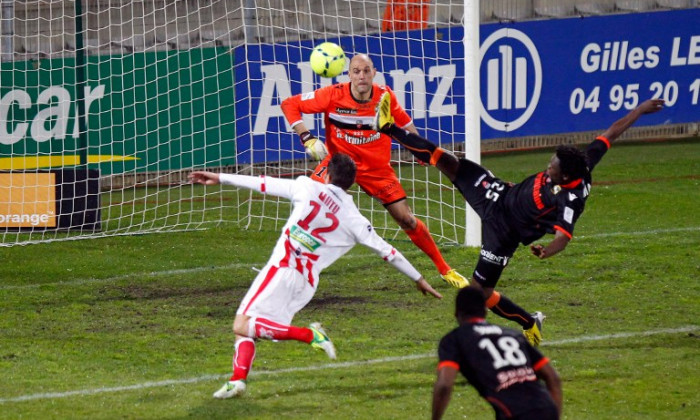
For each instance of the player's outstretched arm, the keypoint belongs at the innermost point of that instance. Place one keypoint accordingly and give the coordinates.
(314, 147)
(553, 383)
(557, 245)
(265, 185)
(442, 390)
(425, 288)
(204, 178)
(620, 126)
(394, 257)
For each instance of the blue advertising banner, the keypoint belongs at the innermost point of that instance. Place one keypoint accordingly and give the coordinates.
(424, 78)
(569, 75)
(537, 77)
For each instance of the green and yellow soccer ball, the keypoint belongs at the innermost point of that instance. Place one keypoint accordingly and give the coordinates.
(327, 59)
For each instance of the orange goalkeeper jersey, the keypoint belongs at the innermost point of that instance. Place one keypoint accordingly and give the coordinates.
(348, 122)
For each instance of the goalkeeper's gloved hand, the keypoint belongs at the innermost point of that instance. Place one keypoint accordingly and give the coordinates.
(314, 147)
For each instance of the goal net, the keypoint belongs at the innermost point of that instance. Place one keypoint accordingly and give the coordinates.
(107, 105)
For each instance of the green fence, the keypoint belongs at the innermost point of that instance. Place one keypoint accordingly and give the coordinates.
(153, 111)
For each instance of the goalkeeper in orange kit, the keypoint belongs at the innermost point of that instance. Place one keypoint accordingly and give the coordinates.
(349, 110)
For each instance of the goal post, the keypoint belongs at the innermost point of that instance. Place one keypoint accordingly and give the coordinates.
(472, 106)
(172, 86)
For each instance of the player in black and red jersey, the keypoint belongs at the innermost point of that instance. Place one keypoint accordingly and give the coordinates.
(550, 201)
(499, 362)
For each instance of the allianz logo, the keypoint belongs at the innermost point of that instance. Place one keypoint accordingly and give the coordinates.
(406, 83)
(512, 72)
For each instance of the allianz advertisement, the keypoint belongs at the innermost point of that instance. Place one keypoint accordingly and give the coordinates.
(537, 77)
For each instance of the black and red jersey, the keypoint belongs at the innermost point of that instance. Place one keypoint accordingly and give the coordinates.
(500, 364)
(535, 206)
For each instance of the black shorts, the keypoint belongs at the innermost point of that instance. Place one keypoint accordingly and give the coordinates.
(543, 413)
(484, 193)
(494, 255)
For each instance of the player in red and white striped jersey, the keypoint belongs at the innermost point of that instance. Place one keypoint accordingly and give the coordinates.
(323, 226)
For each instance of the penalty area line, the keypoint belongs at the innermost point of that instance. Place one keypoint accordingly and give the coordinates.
(174, 272)
(156, 384)
(253, 266)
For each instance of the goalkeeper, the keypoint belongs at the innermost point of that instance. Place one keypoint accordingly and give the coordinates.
(323, 226)
(547, 202)
(349, 110)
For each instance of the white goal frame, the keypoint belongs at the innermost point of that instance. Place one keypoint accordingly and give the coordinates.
(142, 92)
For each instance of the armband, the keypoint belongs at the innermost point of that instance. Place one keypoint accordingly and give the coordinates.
(305, 136)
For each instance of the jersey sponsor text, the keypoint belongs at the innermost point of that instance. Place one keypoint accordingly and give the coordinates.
(357, 140)
(493, 258)
(304, 238)
(515, 376)
(487, 329)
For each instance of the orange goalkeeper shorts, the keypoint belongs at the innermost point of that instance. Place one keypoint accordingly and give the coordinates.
(381, 183)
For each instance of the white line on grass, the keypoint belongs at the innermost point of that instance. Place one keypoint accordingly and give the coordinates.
(641, 232)
(79, 282)
(156, 384)
(92, 280)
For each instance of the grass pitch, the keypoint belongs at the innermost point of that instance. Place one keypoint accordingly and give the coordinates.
(140, 326)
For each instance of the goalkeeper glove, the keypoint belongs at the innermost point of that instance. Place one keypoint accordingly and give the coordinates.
(314, 147)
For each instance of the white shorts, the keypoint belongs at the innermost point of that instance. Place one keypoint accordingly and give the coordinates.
(277, 294)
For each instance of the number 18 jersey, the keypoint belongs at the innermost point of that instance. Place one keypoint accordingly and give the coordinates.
(500, 364)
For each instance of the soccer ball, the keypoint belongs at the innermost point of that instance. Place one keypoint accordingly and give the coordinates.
(327, 59)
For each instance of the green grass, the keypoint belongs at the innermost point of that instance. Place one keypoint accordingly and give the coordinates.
(82, 317)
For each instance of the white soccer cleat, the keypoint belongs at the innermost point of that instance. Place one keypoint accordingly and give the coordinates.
(321, 340)
(230, 389)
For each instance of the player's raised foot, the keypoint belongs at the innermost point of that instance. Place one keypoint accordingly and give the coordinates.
(383, 116)
(230, 389)
(534, 333)
(453, 278)
(321, 340)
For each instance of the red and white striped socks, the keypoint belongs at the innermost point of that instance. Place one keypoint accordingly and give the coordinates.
(264, 328)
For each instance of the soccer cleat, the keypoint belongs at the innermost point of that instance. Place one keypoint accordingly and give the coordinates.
(534, 333)
(453, 278)
(383, 116)
(230, 389)
(321, 340)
